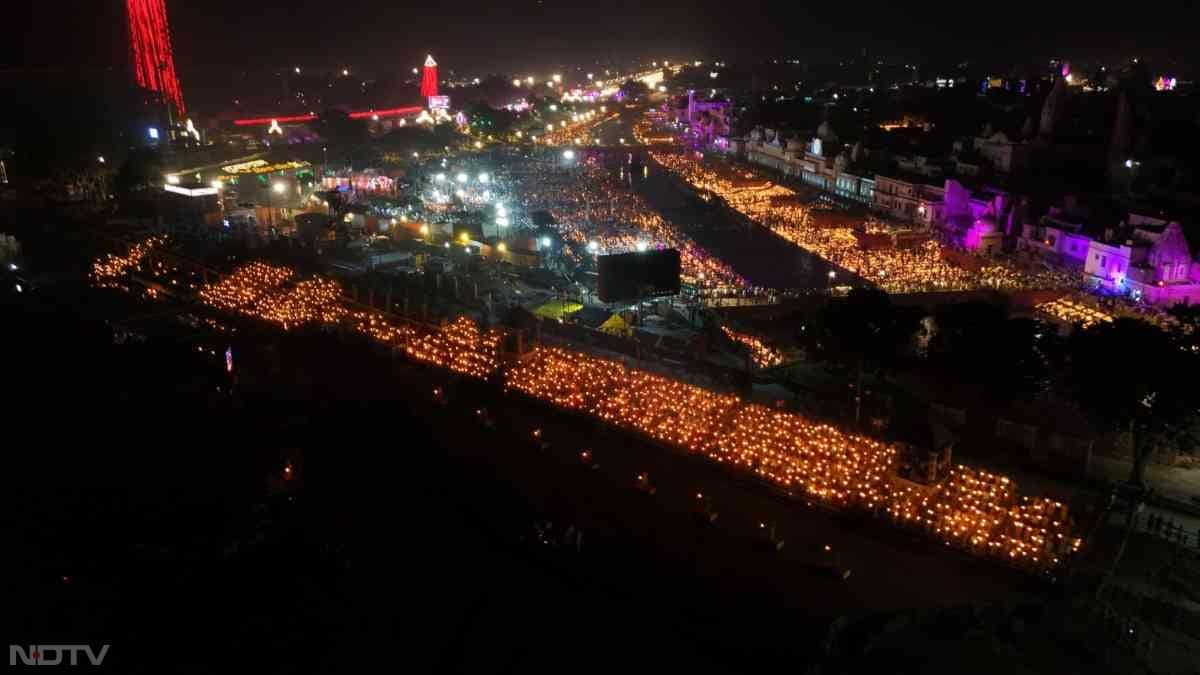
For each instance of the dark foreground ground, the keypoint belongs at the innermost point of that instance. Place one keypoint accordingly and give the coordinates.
(137, 512)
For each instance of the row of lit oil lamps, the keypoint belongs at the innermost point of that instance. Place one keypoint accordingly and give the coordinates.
(973, 510)
(895, 270)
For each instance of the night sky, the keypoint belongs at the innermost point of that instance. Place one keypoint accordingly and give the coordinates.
(528, 34)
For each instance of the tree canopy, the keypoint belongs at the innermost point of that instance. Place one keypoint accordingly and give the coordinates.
(1130, 376)
(633, 90)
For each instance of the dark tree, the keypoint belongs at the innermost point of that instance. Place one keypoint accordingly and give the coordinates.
(977, 342)
(634, 90)
(1186, 329)
(142, 169)
(1132, 377)
(336, 126)
(488, 119)
(865, 331)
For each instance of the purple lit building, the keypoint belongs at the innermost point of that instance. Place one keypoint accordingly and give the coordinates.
(1144, 258)
(979, 220)
(707, 120)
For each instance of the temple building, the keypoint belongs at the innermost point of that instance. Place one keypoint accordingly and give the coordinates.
(980, 220)
(1144, 258)
(917, 199)
(707, 120)
(820, 161)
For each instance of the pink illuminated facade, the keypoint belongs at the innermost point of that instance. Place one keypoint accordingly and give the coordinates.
(1144, 258)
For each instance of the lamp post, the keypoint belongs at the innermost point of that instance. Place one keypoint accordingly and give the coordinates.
(829, 286)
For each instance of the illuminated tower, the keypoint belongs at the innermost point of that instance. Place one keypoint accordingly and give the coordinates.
(429, 78)
(150, 50)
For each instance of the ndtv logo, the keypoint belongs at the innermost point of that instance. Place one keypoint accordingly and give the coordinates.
(52, 655)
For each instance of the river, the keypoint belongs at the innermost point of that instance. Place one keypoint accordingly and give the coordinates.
(753, 251)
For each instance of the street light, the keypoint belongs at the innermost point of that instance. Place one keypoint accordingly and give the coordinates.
(461, 177)
(641, 247)
(568, 154)
(440, 177)
(484, 178)
(546, 242)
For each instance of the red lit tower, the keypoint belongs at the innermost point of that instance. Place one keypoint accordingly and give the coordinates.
(150, 50)
(429, 78)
